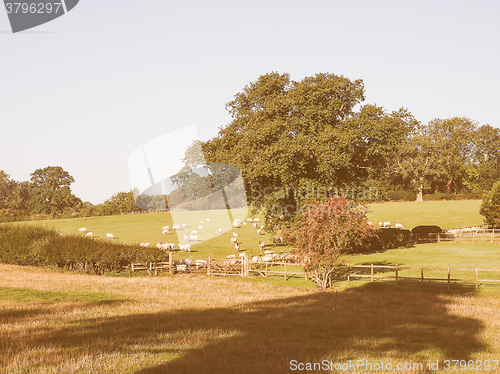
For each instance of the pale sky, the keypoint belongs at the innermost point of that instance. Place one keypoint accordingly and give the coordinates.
(87, 89)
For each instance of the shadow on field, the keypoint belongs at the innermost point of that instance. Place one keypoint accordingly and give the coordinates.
(375, 320)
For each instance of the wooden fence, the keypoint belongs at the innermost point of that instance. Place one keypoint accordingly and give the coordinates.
(459, 235)
(401, 272)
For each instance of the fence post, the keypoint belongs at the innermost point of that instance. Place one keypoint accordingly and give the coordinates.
(397, 267)
(477, 279)
(266, 268)
(439, 238)
(170, 263)
(132, 267)
(209, 259)
(371, 273)
(448, 277)
(492, 235)
(247, 260)
(422, 274)
(285, 271)
(348, 272)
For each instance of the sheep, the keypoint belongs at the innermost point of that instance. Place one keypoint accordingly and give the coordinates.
(200, 264)
(235, 234)
(193, 238)
(176, 227)
(233, 239)
(220, 231)
(236, 225)
(237, 246)
(208, 220)
(109, 236)
(144, 245)
(369, 223)
(399, 226)
(200, 227)
(164, 232)
(185, 247)
(184, 225)
(259, 232)
(186, 237)
(194, 232)
(166, 227)
(249, 219)
(159, 245)
(244, 223)
(255, 225)
(256, 219)
(262, 245)
(82, 229)
(387, 224)
(89, 234)
(262, 227)
(61, 234)
(380, 224)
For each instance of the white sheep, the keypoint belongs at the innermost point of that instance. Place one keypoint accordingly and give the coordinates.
(200, 227)
(399, 226)
(185, 247)
(165, 227)
(237, 246)
(194, 232)
(164, 232)
(220, 231)
(193, 238)
(82, 229)
(89, 234)
(233, 239)
(144, 245)
(235, 234)
(176, 227)
(259, 232)
(109, 236)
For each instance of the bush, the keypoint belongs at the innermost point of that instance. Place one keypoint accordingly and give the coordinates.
(452, 196)
(30, 245)
(490, 207)
(385, 238)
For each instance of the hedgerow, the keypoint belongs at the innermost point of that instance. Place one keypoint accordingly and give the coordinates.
(28, 245)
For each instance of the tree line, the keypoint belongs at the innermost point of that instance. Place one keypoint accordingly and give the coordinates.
(48, 195)
(317, 133)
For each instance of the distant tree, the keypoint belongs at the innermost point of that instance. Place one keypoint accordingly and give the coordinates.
(326, 232)
(417, 160)
(121, 202)
(490, 207)
(453, 141)
(50, 191)
(485, 167)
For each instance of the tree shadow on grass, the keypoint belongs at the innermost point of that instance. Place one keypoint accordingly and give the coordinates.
(375, 320)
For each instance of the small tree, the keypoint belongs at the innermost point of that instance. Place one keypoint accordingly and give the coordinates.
(490, 207)
(324, 233)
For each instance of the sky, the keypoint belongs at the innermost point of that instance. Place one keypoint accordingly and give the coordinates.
(87, 89)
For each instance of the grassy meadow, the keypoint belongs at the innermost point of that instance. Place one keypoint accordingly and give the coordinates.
(55, 322)
(61, 322)
(137, 228)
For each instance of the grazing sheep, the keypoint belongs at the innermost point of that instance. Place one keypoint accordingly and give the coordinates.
(164, 232)
(184, 225)
(233, 239)
(237, 246)
(259, 232)
(200, 227)
(220, 231)
(193, 238)
(208, 220)
(262, 245)
(249, 219)
(194, 232)
(256, 219)
(202, 222)
(109, 236)
(186, 237)
(185, 247)
(89, 234)
(144, 245)
(235, 234)
(159, 245)
(176, 227)
(165, 228)
(387, 224)
(82, 229)
(244, 223)
(399, 226)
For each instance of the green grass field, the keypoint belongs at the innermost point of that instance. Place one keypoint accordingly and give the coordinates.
(446, 214)
(137, 228)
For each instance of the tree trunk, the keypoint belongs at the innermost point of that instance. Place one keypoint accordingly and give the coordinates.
(420, 193)
(448, 187)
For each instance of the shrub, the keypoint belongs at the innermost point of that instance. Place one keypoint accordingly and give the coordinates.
(490, 207)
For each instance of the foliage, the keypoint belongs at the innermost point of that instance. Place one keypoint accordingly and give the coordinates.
(121, 202)
(327, 231)
(490, 207)
(50, 191)
(31, 245)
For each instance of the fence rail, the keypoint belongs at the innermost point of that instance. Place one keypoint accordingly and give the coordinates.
(400, 274)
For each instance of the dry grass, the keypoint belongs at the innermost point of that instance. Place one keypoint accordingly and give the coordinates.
(55, 322)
